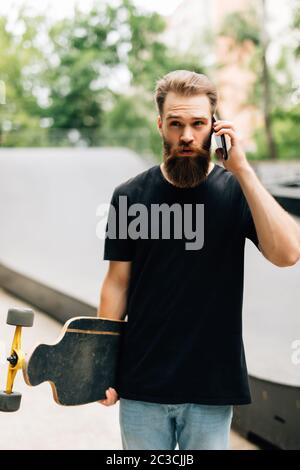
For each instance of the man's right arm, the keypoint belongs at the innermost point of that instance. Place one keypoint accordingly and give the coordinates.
(113, 294)
(112, 304)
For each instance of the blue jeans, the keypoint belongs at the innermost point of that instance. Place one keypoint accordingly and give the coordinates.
(155, 426)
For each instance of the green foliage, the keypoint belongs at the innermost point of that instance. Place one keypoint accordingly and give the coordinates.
(59, 88)
(82, 55)
(286, 129)
(242, 26)
(286, 132)
(296, 24)
(19, 61)
(246, 27)
(72, 70)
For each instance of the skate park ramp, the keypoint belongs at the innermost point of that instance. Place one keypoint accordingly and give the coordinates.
(48, 204)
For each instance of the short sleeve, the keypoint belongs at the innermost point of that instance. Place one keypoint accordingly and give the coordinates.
(117, 246)
(248, 225)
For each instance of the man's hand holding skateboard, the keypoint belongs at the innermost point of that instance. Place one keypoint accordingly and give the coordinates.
(112, 397)
(80, 366)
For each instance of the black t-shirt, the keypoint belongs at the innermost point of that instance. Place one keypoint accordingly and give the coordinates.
(183, 338)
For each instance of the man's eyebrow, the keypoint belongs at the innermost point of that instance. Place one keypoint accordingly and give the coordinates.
(175, 116)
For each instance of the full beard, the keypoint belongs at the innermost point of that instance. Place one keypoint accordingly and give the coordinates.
(190, 170)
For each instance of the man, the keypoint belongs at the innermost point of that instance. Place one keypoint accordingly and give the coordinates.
(182, 365)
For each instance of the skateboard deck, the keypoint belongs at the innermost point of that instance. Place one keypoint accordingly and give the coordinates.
(83, 362)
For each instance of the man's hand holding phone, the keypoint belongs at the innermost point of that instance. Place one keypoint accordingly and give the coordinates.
(237, 159)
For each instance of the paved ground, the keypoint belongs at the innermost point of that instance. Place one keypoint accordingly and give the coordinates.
(41, 423)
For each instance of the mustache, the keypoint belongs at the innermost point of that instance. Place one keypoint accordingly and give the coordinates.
(199, 151)
(189, 148)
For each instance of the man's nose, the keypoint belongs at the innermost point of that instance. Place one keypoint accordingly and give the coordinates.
(187, 136)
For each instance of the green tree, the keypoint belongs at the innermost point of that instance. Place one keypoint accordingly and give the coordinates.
(250, 26)
(133, 117)
(20, 61)
(60, 92)
(82, 58)
(296, 24)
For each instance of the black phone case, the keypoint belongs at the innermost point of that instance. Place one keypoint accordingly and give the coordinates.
(221, 142)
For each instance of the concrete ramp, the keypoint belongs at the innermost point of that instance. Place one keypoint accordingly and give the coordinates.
(48, 208)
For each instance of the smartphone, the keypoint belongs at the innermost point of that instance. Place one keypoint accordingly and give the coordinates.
(220, 140)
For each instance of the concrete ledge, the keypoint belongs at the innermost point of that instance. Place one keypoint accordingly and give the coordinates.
(288, 198)
(273, 416)
(57, 304)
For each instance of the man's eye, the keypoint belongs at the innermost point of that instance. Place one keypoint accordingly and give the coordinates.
(175, 123)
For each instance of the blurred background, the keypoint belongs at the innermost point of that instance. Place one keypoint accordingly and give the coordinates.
(77, 117)
(83, 73)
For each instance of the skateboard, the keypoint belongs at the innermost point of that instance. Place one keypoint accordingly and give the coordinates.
(80, 366)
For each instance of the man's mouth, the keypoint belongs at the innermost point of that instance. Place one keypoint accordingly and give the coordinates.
(186, 152)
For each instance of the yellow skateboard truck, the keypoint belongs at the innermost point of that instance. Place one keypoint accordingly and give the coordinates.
(19, 317)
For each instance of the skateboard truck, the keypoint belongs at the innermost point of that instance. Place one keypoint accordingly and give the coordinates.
(9, 400)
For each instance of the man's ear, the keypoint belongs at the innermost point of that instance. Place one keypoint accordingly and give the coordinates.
(159, 124)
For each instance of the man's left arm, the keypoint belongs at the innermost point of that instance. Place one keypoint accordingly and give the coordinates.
(277, 231)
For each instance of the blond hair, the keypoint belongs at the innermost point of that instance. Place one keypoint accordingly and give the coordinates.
(186, 83)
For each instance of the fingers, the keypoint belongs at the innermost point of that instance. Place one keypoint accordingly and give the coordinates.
(226, 124)
(112, 397)
(229, 132)
(227, 128)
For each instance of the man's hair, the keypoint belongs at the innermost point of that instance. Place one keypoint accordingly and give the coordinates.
(186, 83)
